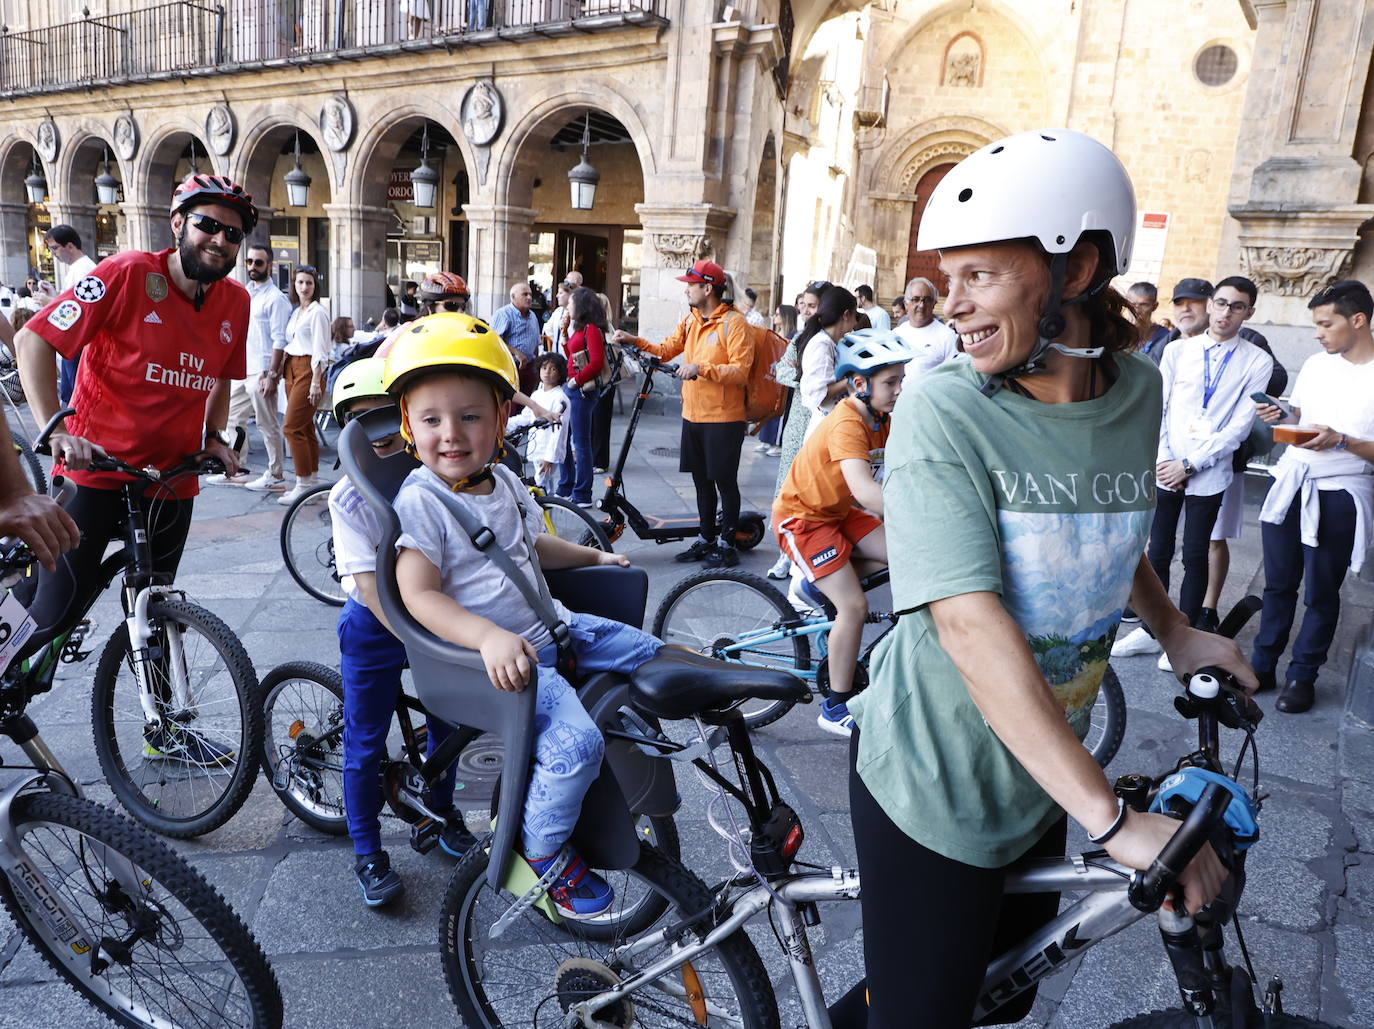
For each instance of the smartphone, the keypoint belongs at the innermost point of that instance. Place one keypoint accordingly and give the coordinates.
(1265, 398)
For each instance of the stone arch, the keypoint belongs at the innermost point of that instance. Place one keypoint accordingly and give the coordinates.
(155, 173)
(921, 147)
(17, 155)
(377, 147)
(83, 155)
(763, 245)
(949, 70)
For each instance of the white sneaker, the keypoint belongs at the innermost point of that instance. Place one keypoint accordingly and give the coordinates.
(237, 479)
(267, 483)
(761, 448)
(294, 493)
(782, 568)
(775, 451)
(1163, 663)
(1137, 642)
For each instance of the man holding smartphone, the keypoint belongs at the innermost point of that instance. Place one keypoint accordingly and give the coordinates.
(1318, 516)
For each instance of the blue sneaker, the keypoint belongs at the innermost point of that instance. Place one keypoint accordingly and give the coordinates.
(579, 892)
(835, 717)
(379, 881)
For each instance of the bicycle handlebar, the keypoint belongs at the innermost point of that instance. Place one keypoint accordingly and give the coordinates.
(201, 462)
(1149, 888)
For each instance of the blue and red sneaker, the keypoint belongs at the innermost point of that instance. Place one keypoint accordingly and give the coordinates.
(579, 892)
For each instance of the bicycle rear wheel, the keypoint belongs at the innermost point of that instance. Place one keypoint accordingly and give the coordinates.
(307, 546)
(190, 771)
(161, 946)
(729, 614)
(567, 521)
(1108, 727)
(302, 742)
(536, 969)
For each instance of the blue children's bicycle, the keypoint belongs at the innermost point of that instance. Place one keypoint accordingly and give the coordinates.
(737, 616)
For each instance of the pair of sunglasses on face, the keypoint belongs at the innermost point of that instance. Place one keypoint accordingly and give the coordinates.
(213, 227)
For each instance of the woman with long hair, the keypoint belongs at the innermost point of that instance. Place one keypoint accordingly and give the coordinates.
(588, 330)
(784, 323)
(308, 344)
(836, 315)
(797, 417)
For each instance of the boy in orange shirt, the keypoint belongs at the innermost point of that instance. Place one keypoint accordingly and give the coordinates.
(827, 514)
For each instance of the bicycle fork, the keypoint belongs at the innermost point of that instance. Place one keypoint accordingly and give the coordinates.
(140, 632)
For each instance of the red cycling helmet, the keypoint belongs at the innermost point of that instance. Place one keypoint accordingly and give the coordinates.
(443, 286)
(215, 189)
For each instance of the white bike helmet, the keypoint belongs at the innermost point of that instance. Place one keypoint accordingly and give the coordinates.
(1049, 185)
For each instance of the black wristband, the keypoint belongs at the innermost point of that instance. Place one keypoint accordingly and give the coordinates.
(1114, 828)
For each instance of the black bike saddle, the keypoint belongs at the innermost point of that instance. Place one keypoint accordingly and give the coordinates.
(679, 683)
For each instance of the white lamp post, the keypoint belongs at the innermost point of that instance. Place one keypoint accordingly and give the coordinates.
(297, 181)
(424, 180)
(583, 178)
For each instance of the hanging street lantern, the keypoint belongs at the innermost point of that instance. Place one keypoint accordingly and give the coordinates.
(424, 180)
(106, 185)
(583, 178)
(36, 185)
(297, 181)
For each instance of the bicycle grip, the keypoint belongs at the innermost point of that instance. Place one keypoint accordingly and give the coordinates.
(1148, 889)
(1236, 618)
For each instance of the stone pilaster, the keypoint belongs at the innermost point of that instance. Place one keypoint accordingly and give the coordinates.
(1293, 251)
(675, 235)
(14, 244)
(498, 253)
(357, 243)
(148, 225)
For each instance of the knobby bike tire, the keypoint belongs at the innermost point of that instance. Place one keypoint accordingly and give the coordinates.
(1177, 1018)
(28, 461)
(574, 966)
(1109, 720)
(173, 949)
(707, 627)
(589, 534)
(305, 771)
(148, 788)
(315, 554)
(10, 381)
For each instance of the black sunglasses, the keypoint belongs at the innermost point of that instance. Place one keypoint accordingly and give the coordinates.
(254, 262)
(213, 227)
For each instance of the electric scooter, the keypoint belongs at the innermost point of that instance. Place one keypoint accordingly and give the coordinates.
(749, 531)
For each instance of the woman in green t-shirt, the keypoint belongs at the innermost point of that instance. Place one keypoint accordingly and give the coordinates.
(1020, 484)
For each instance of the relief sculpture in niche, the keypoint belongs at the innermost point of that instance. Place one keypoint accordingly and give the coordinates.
(964, 63)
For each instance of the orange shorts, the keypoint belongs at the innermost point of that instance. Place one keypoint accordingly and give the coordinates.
(819, 548)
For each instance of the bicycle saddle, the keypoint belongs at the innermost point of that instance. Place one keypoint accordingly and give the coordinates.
(679, 683)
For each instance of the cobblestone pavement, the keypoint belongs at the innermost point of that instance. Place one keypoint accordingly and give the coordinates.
(1307, 911)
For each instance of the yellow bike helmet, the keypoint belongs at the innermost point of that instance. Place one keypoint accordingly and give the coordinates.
(449, 339)
(361, 380)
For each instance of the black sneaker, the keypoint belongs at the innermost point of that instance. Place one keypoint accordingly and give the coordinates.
(380, 883)
(698, 551)
(722, 557)
(451, 835)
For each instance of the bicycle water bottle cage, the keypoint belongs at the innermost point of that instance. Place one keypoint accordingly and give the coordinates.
(1185, 787)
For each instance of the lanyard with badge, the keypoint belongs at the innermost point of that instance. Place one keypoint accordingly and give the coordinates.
(1201, 426)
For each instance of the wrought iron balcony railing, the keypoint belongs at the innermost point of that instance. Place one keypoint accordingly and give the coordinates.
(182, 39)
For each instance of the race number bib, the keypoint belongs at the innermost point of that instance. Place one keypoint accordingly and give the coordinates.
(15, 629)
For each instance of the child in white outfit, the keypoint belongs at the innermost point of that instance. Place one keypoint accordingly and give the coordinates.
(547, 446)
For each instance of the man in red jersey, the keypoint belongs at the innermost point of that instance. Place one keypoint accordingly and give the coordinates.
(163, 334)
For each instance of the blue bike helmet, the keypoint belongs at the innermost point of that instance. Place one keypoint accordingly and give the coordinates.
(866, 351)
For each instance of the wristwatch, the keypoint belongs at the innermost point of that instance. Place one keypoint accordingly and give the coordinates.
(1188, 468)
(1339, 444)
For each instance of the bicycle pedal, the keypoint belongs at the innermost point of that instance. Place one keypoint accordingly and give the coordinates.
(71, 650)
(424, 835)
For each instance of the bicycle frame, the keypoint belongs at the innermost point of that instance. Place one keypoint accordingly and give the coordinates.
(813, 626)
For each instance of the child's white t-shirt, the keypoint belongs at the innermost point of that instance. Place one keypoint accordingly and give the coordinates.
(466, 574)
(357, 535)
(549, 443)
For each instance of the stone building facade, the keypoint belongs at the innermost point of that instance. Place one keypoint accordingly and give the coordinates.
(682, 101)
(884, 100)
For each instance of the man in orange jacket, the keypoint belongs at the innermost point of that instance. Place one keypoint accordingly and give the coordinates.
(717, 357)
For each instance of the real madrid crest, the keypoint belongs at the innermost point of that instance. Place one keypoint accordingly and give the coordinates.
(155, 285)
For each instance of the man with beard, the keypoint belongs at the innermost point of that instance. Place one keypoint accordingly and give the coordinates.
(164, 334)
(269, 313)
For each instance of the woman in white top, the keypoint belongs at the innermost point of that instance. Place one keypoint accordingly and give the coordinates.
(836, 315)
(307, 356)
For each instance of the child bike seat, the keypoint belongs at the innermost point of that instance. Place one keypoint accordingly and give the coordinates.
(680, 683)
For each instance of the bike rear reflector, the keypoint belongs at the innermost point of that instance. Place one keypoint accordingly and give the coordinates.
(696, 996)
(297, 727)
(792, 842)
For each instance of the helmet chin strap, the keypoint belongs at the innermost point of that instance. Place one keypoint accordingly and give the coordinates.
(1050, 326)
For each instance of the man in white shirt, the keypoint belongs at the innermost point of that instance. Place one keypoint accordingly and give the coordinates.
(64, 243)
(931, 340)
(269, 312)
(1318, 517)
(1207, 414)
(877, 317)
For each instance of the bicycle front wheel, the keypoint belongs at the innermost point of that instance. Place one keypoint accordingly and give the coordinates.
(28, 461)
(736, 616)
(302, 742)
(188, 765)
(1108, 726)
(567, 521)
(536, 970)
(161, 947)
(307, 546)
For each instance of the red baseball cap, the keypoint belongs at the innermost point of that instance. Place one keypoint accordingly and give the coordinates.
(704, 271)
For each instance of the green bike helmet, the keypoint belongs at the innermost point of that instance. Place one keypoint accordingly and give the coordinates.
(359, 381)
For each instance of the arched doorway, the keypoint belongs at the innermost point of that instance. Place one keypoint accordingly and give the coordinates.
(763, 241)
(925, 264)
(169, 161)
(22, 223)
(297, 235)
(97, 223)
